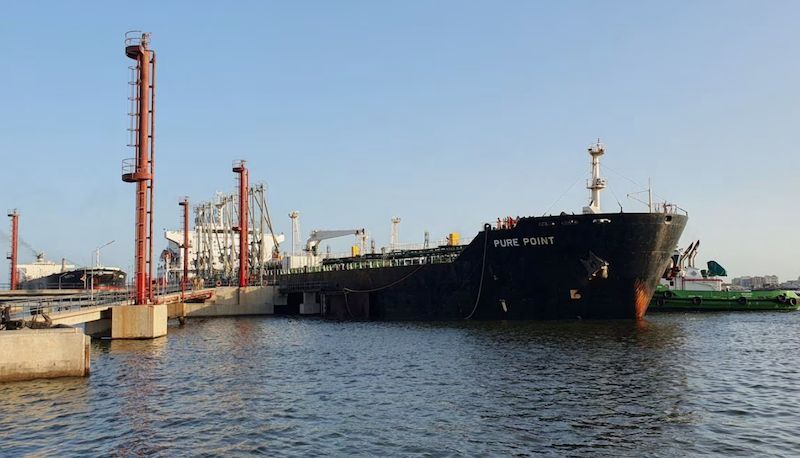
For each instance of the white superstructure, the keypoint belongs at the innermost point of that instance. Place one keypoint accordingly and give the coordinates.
(41, 268)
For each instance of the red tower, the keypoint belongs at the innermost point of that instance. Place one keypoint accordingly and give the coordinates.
(185, 204)
(14, 215)
(242, 228)
(140, 169)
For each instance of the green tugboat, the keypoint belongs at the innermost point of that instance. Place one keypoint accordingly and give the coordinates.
(685, 287)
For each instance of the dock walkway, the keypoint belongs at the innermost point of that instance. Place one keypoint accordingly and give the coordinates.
(84, 307)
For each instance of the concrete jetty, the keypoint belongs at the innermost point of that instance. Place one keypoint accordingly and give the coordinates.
(28, 354)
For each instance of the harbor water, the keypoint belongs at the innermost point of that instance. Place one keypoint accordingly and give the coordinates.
(722, 384)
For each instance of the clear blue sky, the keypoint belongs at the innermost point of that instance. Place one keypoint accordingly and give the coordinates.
(446, 113)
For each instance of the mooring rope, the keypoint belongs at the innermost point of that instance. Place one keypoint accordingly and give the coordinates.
(347, 304)
(348, 290)
(477, 299)
(483, 272)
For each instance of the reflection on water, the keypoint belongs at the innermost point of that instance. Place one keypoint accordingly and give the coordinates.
(672, 385)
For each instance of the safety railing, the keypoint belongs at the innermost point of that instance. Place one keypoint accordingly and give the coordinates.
(136, 37)
(375, 263)
(23, 310)
(431, 244)
(402, 247)
(129, 165)
(669, 209)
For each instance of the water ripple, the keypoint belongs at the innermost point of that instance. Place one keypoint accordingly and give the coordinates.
(673, 385)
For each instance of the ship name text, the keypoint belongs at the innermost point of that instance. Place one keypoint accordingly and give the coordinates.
(525, 241)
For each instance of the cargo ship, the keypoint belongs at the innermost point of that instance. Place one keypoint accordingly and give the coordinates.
(43, 274)
(591, 265)
(687, 288)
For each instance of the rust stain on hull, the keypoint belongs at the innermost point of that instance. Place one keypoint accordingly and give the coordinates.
(643, 295)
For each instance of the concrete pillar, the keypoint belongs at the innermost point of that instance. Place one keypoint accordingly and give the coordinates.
(309, 306)
(138, 321)
(28, 354)
(98, 327)
(176, 310)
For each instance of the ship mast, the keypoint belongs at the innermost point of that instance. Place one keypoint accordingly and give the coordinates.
(596, 183)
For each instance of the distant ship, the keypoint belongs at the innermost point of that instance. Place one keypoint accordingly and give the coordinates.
(592, 265)
(41, 268)
(43, 274)
(685, 287)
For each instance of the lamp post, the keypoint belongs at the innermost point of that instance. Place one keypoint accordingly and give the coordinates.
(91, 282)
(59, 279)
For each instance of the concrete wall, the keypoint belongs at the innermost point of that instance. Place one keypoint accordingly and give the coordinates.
(226, 295)
(234, 301)
(29, 354)
(198, 310)
(82, 315)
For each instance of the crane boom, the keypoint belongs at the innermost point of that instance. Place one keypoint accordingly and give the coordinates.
(320, 235)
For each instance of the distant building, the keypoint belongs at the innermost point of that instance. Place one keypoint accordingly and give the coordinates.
(744, 282)
(767, 281)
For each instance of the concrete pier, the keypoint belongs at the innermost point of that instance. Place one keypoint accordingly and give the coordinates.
(138, 321)
(29, 354)
(310, 304)
(235, 301)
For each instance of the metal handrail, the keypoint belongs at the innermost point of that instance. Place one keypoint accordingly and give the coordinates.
(24, 309)
(136, 39)
(669, 209)
(129, 165)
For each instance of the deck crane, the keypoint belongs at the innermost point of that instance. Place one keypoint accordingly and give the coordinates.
(318, 236)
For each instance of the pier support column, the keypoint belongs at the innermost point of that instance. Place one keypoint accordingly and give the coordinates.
(98, 327)
(310, 305)
(138, 321)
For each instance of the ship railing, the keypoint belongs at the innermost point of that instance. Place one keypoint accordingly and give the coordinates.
(198, 283)
(375, 264)
(431, 244)
(61, 286)
(342, 254)
(403, 247)
(669, 209)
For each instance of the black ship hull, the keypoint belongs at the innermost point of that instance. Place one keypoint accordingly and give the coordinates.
(594, 266)
(98, 278)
